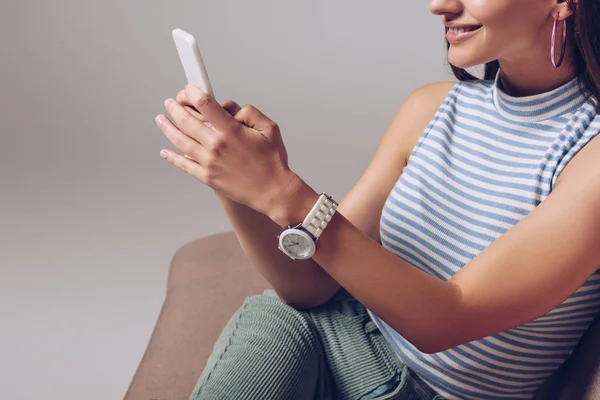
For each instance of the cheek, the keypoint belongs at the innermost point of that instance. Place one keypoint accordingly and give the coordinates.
(499, 35)
(508, 18)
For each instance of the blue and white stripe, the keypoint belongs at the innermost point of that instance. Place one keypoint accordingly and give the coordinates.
(485, 161)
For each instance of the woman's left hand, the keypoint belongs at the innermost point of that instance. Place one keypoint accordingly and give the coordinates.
(241, 156)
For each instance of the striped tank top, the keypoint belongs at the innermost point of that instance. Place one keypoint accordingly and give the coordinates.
(484, 162)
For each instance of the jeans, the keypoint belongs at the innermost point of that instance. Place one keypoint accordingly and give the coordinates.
(270, 350)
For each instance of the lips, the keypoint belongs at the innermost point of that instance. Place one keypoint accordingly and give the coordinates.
(458, 34)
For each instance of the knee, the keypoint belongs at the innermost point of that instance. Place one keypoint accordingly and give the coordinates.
(268, 346)
(280, 324)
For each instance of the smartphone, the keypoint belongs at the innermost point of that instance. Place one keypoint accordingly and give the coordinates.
(191, 60)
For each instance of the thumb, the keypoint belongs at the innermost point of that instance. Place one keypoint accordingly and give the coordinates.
(254, 118)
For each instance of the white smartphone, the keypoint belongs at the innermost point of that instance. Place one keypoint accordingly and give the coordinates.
(191, 60)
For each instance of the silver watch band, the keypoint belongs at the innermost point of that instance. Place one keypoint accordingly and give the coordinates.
(320, 215)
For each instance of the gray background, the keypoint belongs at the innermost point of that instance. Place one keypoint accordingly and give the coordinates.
(91, 215)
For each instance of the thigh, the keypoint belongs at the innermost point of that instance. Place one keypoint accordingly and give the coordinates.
(361, 364)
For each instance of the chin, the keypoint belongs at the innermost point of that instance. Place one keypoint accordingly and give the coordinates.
(463, 58)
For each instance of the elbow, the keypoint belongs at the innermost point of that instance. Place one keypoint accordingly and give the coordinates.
(446, 327)
(298, 304)
(436, 337)
(305, 302)
(430, 344)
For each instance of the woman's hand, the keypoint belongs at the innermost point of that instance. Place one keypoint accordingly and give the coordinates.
(236, 151)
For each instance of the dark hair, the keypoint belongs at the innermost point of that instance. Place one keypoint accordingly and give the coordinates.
(584, 27)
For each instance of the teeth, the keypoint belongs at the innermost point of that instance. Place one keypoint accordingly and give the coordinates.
(458, 30)
(463, 30)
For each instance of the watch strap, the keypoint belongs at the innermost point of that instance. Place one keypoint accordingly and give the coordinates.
(320, 215)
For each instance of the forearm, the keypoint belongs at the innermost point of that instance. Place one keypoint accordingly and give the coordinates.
(301, 283)
(422, 308)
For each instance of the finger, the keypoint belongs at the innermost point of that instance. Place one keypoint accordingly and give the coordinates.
(231, 106)
(182, 141)
(187, 165)
(182, 98)
(214, 113)
(194, 113)
(254, 118)
(188, 124)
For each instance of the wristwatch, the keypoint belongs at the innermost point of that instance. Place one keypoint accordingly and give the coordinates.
(300, 241)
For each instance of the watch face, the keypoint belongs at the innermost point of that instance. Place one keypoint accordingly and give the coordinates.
(297, 244)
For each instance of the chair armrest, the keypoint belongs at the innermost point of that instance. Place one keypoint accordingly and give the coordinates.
(209, 278)
(215, 262)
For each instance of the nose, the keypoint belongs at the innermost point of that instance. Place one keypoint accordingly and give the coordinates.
(445, 7)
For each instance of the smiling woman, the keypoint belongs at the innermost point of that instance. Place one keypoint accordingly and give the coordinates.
(517, 32)
(484, 191)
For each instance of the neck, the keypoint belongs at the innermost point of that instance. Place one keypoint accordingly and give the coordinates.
(530, 74)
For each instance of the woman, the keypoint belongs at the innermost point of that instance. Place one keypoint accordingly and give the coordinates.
(488, 275)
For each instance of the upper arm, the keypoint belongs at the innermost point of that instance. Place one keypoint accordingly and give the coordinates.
(539, 262)
(364, 203)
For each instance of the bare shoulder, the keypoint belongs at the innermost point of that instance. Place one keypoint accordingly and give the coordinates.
(430, 95)
(417, 110)
(584, 167)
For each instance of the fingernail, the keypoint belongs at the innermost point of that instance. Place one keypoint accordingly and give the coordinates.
(167, 102)
(164, 154)
(158, 119)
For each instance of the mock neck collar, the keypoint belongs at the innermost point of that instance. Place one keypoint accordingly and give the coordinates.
(538, 107)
